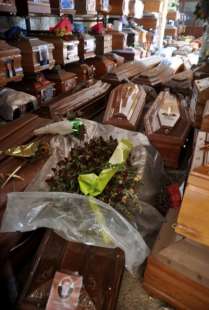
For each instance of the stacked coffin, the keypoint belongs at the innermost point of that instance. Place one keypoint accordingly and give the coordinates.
(130, 70)
(28, 7)
(125, 106)
(8, 6)
(89, 101)
(167, 125)
(10, 64)
(199, 99)
(181, 82)
(177, 270)
(159, 74)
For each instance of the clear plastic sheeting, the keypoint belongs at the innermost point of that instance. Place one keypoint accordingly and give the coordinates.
(75, 218)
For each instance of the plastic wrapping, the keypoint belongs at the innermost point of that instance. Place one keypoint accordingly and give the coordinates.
(73, 218)
(79, 218)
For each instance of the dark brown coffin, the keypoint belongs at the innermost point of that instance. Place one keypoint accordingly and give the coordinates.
(37, 55)
(102, 65)
(64, 51)
(125, 106)
(103, 44)
(102, 6)
(64, 81)
(58, 8)
(89, 101)
(38, 86)
(8, 6)
(10, 64)
(85, 7)
(169, 133)
(27, 7)
(101, 268)
(86, 47)
(177, 270)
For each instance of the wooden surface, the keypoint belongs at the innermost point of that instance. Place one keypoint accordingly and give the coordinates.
(168, 140)
(27, 7)
(125, 106)
(102, 6)
(8, 6)
(103, 44)
(177, 270)
(205, 118)
(10, 64)
(64, 81)
(151, 6)
(30, 50)
(85, 7)
(58, 9)
(101, 268)
(119, 7)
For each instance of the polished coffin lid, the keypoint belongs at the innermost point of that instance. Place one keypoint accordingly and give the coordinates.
(125, 106)
(10, 63)
(167, 121)
(101, 268)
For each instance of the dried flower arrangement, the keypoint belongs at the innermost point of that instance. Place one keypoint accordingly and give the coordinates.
(93, 157)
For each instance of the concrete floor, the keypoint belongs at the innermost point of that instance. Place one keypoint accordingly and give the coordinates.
(133, 297)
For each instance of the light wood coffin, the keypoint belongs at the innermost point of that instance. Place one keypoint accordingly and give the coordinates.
(199, 99)
(152, 6)
(8, 6)
(10, 64)
(125, 106)
(61, 7)
(177, 270)
(118, 39)
(37, 55)
(64, 51)
(193, 217)
(27, 7)
(167, 125)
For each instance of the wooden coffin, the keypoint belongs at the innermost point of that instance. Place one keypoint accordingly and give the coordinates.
(8, 6)
(135, 8)
(181, 83)
(167, 125)
(172, 15)
(14, 103)
(118, 39)
(64, 81)
(161, 73)
(92, 263)
(199, 99)
(61, 7)
(85, 7)
(152, 6)
(10, 64)
(103, 44)
(193, 216)
(27, 7)
(86, 47)
(148, 22)
(103, 65)
(125, 106)
(65, 51)
(177, 270)
(37, 55)
(205, 118)
(89, 101)
(102, 6)
(119, 7)
(130, 70)
(116, 58)
(171, 31)
(38, 86)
